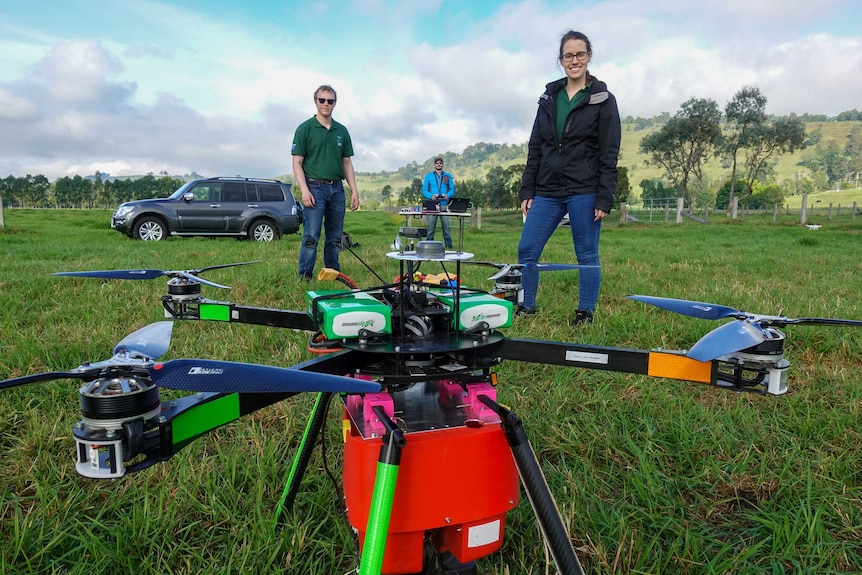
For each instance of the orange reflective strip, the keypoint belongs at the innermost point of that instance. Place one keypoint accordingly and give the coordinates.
(675, 366)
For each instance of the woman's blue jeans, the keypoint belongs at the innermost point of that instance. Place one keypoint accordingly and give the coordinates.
(327, 215)
(542, 220)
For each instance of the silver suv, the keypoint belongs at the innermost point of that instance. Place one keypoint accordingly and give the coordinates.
(261, 210)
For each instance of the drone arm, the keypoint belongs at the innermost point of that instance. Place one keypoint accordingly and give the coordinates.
(229, 312)
(664, 364)
(184, 420)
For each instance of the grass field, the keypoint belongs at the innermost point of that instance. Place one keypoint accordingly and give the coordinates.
(650, 475)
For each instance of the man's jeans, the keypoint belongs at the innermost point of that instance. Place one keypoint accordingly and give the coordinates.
(328, 214)
(542, 219)
(444, 223)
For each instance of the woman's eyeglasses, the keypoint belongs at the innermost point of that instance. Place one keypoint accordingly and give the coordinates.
(568, 56)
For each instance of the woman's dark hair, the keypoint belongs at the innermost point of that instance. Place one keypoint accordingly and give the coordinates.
(572, 35)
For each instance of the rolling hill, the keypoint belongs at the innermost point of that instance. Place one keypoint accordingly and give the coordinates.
(476, 160)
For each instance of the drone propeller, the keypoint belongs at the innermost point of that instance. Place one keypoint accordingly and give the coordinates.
(713, 311)
(139, 348)
(506, 268)
(149, 274)
(231, 377)
(748, 331)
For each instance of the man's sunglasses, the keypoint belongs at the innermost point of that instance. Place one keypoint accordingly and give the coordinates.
(330, 101)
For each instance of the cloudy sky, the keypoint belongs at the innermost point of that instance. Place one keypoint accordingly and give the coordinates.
(215, 86)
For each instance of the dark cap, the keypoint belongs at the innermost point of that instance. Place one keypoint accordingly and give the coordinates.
(438, 159)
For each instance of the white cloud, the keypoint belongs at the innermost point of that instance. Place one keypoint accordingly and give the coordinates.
(149, 86)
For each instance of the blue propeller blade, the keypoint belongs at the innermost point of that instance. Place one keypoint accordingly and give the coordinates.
(728, 338)
(117, 274)
(231, 377)
(150, 341)
(696, 309)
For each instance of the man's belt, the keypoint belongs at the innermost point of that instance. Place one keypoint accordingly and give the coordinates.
(329, 182)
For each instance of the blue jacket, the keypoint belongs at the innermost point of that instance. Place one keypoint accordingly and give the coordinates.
(435, 185)
(585, 160)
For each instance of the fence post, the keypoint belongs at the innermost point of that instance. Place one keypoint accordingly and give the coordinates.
(853, 212)
(734, 209)
(679, 203)
(804, 217)
(623, 212)
(774, 212)
(829, 216)
(2, 219)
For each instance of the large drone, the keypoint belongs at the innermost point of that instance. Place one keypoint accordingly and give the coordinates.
(412, 364)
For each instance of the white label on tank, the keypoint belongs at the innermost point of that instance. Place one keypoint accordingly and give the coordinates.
(480, 535)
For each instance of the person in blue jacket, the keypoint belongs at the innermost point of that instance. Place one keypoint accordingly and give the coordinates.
(439, 185)
(571, 168)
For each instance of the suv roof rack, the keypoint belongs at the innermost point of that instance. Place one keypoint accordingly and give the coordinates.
(240, 178)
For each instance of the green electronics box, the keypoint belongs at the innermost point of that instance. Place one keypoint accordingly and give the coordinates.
(346, 312)
(476, 307)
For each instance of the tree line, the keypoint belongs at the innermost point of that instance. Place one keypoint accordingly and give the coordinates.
(77, 192)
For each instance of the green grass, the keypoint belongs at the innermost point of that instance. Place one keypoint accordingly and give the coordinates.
(650, 475)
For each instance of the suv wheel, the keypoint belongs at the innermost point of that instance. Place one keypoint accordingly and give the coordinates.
(262, 231)
(150, 228)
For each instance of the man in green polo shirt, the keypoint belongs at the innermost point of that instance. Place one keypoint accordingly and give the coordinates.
(322, 153)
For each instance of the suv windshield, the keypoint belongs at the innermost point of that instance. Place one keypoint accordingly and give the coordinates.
(179, 193)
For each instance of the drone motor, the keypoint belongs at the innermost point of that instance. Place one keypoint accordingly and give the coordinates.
(765, 360)
(114, 410)
(182, 288)
(509, 287)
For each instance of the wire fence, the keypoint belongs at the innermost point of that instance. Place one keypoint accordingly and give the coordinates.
(671, 210)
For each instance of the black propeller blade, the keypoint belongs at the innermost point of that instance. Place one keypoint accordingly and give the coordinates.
(149, 274)
(139, 348)
(51, 375)
(230, 377)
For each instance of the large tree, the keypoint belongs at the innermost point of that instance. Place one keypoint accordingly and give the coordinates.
(783, 135)
(745, 112)
(685, 143)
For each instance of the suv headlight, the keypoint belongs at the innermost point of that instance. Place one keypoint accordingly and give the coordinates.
(122, 211)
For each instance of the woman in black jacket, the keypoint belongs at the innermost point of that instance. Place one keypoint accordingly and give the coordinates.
(571, 168)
